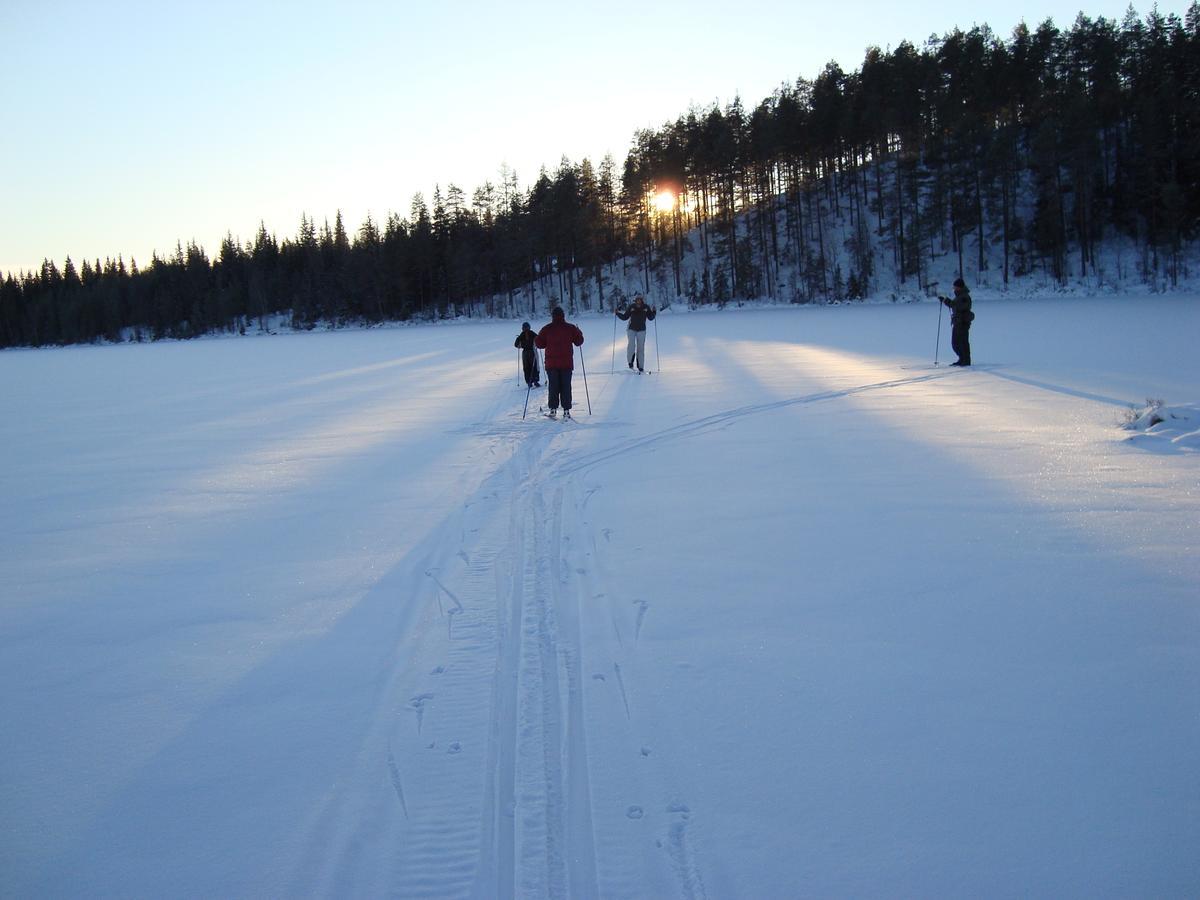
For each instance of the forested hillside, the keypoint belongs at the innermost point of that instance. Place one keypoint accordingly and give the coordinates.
(1029, 157)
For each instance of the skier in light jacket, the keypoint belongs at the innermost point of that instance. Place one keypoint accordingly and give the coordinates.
(637, 316)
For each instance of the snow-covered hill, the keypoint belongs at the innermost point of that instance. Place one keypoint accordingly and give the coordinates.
(846, 252)
(799, 614)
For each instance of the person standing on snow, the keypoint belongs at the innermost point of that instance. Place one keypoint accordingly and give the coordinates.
(529, 358)
(637, 316)
(559, 340)
(961, 318)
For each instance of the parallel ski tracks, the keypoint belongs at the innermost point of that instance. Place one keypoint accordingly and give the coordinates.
(478, 770)
(509, 598)
(542, 802)
(499, 675)
(717, 420)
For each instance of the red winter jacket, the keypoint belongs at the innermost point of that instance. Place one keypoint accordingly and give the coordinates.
(556, 339)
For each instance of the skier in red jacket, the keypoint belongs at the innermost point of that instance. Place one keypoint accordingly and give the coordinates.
(559, 340)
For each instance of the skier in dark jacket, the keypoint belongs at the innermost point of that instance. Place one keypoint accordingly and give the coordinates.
(529, 358)
(559, 339)
(961, 318)
(637, 316)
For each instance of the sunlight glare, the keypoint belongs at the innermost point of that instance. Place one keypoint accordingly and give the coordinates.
(664, 201)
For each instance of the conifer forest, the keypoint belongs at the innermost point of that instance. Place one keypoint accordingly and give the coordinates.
(1016, 156)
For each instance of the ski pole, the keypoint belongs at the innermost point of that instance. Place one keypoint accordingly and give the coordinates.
(585, 389)
(613, 367)
(657, 355)
(526, 409)
(938, 343)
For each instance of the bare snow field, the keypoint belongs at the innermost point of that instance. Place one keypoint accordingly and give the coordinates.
(800, 614)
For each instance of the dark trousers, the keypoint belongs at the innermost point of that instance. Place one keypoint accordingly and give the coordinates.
(960, 341)
(560, 387)
(530, 360)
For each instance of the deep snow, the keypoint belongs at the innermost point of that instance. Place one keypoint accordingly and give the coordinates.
(801, 614)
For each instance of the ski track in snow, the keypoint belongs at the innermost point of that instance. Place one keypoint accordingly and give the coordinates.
(508, 578)
(508, 704)
(718, 420)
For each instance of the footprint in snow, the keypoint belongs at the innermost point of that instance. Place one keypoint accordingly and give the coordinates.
(599, 676)
(455, 747)
(642, 606)
(418, 706)
(634, 812)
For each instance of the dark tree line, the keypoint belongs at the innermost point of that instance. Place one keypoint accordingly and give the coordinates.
(1041, 147)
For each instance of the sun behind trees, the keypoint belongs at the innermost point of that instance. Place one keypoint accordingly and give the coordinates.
(1043, 146)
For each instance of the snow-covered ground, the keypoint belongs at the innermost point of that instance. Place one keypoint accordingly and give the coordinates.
(798, 615)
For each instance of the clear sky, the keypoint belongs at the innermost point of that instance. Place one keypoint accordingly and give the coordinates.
(133, 124)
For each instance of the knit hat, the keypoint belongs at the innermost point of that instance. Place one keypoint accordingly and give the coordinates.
(557, 313)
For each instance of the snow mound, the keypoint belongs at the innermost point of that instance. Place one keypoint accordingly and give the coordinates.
(1165, 429)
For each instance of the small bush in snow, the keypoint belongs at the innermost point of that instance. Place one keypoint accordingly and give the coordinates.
(1147, 417)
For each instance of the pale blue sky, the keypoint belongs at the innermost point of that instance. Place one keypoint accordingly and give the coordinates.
(133, 124)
